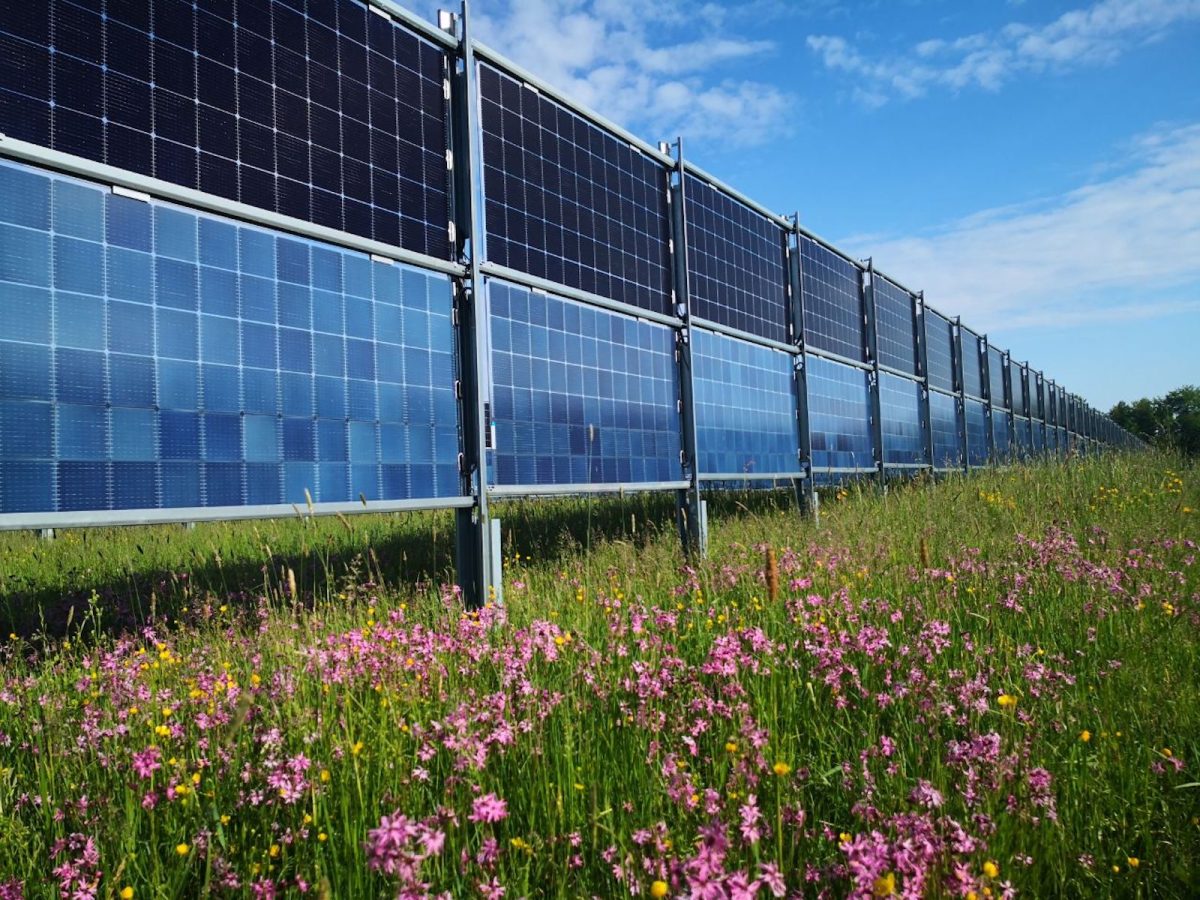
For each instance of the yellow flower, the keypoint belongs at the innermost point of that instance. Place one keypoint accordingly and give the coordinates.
(325, 776)
(990, 869)
(182, 849)
(1116, 869)
(885, 886)
(181, 790)
(356, 748)
(322, 837)
(1006, 701)
(845, 837)
(127, 893)
(274, 851)
(1167, 752)
(781, 768)
(730, 747)
(1133, 861)
(224, 820)
(659, 889)
(1085, 735)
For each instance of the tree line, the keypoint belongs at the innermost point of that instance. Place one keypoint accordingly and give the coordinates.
(1171, 421)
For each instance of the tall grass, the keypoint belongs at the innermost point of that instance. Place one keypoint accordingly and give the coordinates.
(981, 687)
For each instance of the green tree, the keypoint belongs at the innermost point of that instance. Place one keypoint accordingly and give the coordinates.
(1172, 420)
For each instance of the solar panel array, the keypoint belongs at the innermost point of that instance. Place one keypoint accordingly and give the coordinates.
(943, 414)
(975, 414)
(581, 395)
(839, 412)
(941, 341)
(896, 327)
(833, 302)
(745, 407)
(154, 357)
(736, 263)
(903, 432)
(568, 201)
(333, 116)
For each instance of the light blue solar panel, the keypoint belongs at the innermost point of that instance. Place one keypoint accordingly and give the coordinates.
(1000, 435)
(190, 368)
(895, 326)
(580, 395)
(943, 413)
(833, 302)
(903, 434)
(745, 407)
(940, 342)
(998, 379)
(977, 432)
(839, 414)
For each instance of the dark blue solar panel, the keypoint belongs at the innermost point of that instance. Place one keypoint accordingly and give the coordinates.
(998, 378)
(972, 368)
(580, 395)
(940, 343)
(1000, 422)
(977, 432)
(1022, 435)
(162, 358)
(1039, 437)
(570, 202)
(903, 434)
(839, 411)
(745, 406)
(896, 326)
(833, 302)
(335, 117)
(1017, 390)
(943, 414)
(736, 264)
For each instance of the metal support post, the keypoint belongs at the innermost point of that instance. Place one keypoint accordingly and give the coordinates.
(960, 387)
(806, 491)
(689, 509)
(873, 357)
(477, 560)
(922, 353)
(985, 374)
(1006, 384)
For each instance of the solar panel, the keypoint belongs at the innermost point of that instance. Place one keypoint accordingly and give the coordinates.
(972, 368)
(1000, 420)
(839, 414)
(895, 326)
(745, 406)
(977, 432)
(1016, 387)
(943, 414)
(997, 378)
(903, 435)
(336, 116)
(568, 201)
(833, 302)
(580, 395)
(1039, 437)
(164, 358)
(1022, 435)
(736, 263)
(940, 343)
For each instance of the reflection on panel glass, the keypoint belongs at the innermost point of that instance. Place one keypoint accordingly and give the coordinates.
(1022, 436)
(568, 201)
(997, 378)
(1000, 423)
(1039, 437)
(833, 305)
(745, 406)
(580, 395)
(736, 269)
(335, 117)
(940, 343)
(895, 326)
(903, 434)
(977, 432)
(943, 414)
(162, 358)
(839, 413)
(972, 368)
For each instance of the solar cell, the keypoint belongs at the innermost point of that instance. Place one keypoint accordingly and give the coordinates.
(568, 201)
(580, 395)
(745, 406)
(833, 302)
(334, 116)
(736, 263)
(895, 326)
(943, 412)
(166, 358)
(903, 436)
(940, 343)
(839, 413)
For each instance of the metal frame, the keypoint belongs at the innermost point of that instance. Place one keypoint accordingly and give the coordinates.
(867, 281)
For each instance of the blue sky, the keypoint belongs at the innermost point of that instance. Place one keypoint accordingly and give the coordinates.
(1032, 166)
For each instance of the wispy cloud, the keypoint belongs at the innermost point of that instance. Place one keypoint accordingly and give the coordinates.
(1069, 258)
(661, 69)
(1096, 35)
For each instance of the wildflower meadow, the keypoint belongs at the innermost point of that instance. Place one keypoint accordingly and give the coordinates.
(983, 687)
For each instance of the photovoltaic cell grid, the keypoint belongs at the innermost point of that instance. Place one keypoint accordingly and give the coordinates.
(567, 201)
(977, 432)
(940, 343)
(895, 326)
(745, 407)
(972, 368)
(580, 395)
(833, 305)
(1039, 437)
(1022, 435)
(997, 378)
(900, 405)
(943, 413)
(152, 357)
(737, 270)
(336, 116)
(839, 413)
(1017, 389)
(1000, 421)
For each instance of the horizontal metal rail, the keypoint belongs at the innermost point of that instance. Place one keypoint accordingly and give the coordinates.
(555, 490)
(753, 476)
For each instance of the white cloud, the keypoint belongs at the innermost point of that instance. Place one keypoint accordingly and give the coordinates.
(1120, 248)
(659, 69)
(1097, 35)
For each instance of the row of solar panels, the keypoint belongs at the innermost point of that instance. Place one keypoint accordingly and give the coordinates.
(240, 329)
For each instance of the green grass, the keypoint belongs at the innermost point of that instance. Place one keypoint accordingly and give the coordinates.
(627, 702)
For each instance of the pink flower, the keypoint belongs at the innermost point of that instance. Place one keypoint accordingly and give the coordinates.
(147, 762)
(488, 808)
